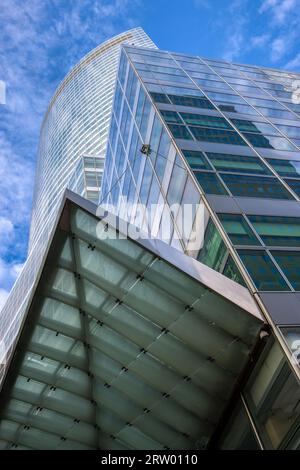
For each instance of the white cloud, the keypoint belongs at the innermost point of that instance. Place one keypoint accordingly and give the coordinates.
(236, 31)
(260, 40)
(278, 49)
(279, 9)
(293, 63)
(6, 229)
(282, 45)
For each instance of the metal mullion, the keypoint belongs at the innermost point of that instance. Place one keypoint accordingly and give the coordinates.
(280, 270)
(252, 423)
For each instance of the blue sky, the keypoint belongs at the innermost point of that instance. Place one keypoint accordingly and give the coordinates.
(41, 39)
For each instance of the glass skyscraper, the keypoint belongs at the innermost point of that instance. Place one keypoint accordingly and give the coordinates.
(76, 125)
(148, 328)
(226, 138)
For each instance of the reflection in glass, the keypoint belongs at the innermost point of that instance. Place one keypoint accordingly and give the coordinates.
(273, 396)
(289, 262)
(238, 230)
(238, 434)
(238, 163)
(214, 250)
(285, 167)
(277, 231)
(256, 186)
(263, 271)
(196, 160)
(210, 183)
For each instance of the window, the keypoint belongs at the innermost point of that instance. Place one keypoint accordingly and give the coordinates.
(285, 167)
(262, 270)
(181, 91)
(277, 231)
(160, 68)
(238, 433)
(256, 186)
(164, 77)
(290, 131)
(246, 90)
(236, 108)
(139, 108)
(93, 196)
(205, 121)
(227, 98)
(208, 76)
(91, 179)
(231, 271)
(89, 162)
(237, 163)
(177, 182)
(294, 185)
(180, 132)
(213, 84)
(195, 66)
(276, 113)
(210, 183)
(160, 98)
(266, 103)
(146, 182)
(289, 262)
(191, 101)
(214, 250)
(258, 127)
(131, 87)
(171, 116)
(155, 136)
(162, 154)
(277, 143)
(145, 118)
(123, 68)
(196, 160)
(217, 136)
(273, 396)
(238, 230)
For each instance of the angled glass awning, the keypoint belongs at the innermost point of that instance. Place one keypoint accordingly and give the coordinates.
(126, 345)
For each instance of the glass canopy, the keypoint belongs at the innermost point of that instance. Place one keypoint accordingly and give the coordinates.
(123, 349)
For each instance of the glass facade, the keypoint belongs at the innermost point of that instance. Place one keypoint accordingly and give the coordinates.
(194, 141)
(227, 137)
(76, 124)
(271, 397)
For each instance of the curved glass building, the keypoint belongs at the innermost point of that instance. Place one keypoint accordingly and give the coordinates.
(76, 125)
